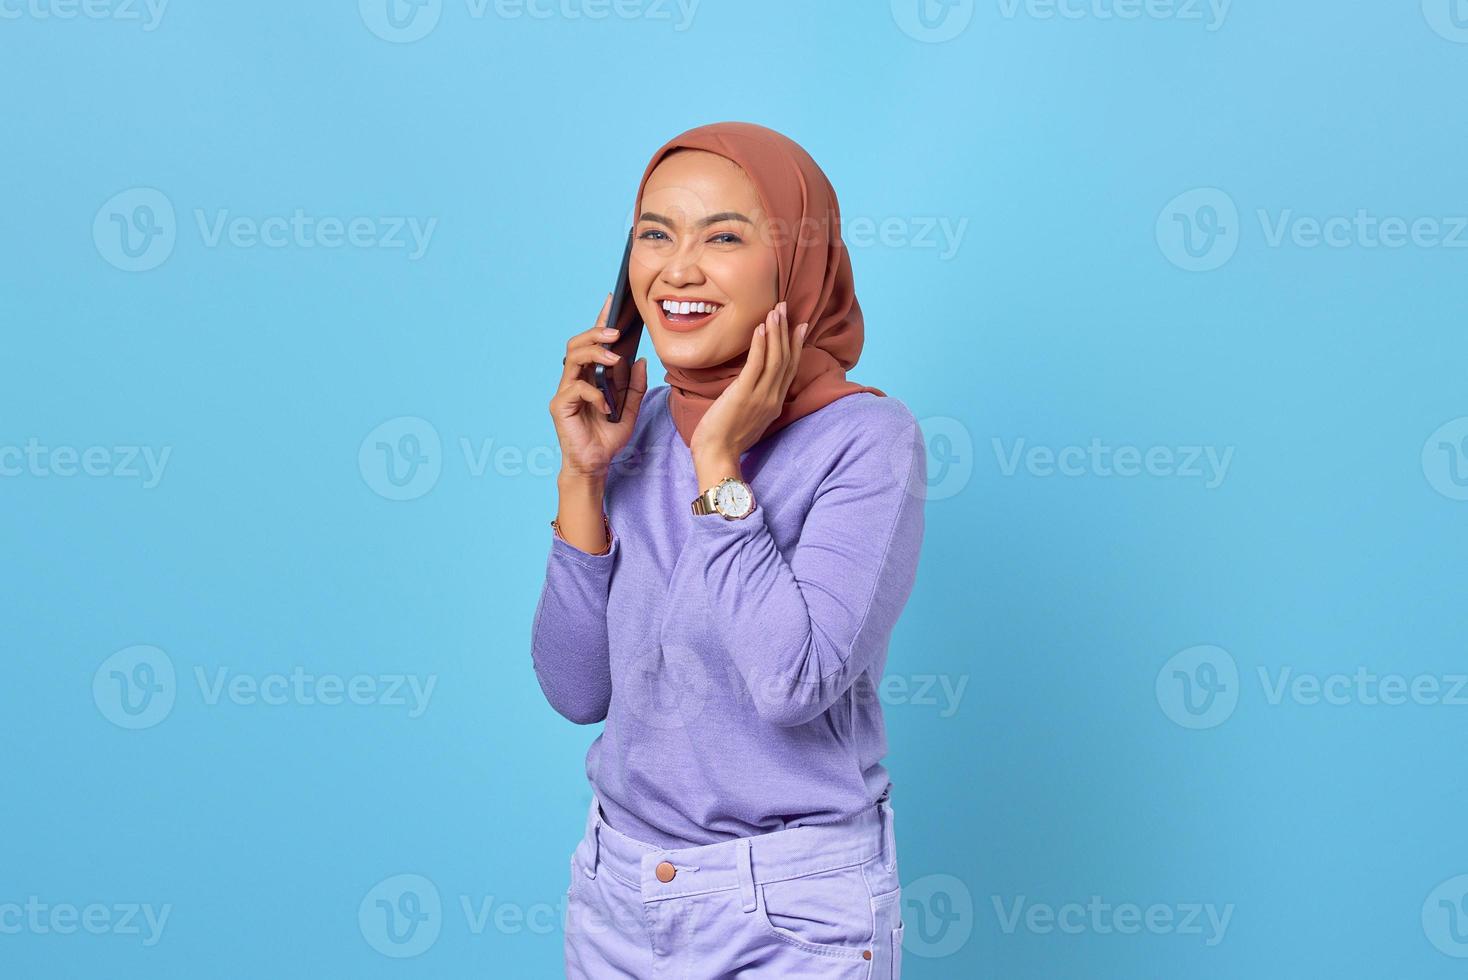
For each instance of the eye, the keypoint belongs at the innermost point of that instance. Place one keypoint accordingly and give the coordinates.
(647, 235)
(726, 238)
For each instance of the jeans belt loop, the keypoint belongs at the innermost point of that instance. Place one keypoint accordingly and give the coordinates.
(594, 833)
(889, 835)
(746, 874)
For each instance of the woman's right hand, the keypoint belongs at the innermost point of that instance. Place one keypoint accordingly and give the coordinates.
(579, 411)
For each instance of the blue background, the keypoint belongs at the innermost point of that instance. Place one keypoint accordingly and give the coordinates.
(1066, 314)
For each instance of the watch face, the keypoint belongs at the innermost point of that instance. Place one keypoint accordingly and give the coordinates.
(733, 499)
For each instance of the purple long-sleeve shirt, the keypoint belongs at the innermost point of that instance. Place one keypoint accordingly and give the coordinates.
(736, 663)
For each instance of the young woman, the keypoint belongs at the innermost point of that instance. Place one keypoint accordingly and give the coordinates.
(726, 566)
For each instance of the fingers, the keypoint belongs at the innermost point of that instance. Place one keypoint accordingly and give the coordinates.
(775, 364)
(586, 347)
(636, 388)
(797, 344)
(569, 399)
(754, 361)
(783, 356)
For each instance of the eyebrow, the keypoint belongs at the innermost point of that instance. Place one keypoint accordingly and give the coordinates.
(712, 219)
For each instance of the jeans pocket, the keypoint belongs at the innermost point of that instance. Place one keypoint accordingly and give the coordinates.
(828, 912)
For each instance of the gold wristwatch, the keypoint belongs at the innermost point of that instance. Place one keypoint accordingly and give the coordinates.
(729, 498)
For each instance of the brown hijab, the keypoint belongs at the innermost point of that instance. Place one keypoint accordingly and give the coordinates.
(814, 273)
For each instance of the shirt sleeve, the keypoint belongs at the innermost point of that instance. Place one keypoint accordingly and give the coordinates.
(801, 631)
(568, 639)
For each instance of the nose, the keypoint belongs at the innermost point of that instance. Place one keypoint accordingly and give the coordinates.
(682, 268)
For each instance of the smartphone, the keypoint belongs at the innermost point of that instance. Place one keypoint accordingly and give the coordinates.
(615, 379)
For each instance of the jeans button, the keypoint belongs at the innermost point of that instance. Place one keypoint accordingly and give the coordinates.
(665, 872)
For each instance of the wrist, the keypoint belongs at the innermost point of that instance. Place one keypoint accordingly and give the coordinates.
(710, 468)
(581, 485)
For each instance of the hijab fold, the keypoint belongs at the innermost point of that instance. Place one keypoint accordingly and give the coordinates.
(814, 273)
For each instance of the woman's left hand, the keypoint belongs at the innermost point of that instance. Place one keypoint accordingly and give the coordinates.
(742, 412)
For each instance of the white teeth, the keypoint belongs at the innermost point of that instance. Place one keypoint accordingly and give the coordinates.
(674, 306)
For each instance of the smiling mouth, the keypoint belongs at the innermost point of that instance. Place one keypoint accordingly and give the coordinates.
(678, 315)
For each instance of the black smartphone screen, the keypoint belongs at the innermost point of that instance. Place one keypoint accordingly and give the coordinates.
(615, 379)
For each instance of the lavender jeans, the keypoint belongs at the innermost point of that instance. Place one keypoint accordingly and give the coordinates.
(820, 901)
